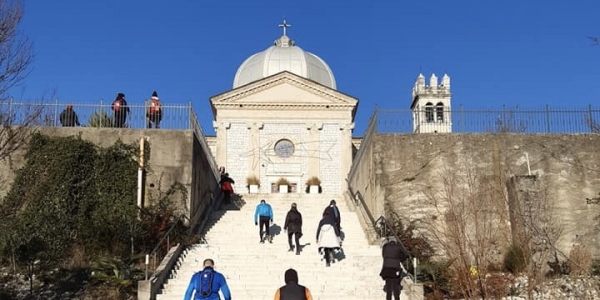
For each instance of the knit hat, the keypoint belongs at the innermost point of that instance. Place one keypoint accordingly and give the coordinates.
(293, 205)
(392, 239)
(291, 276)
(120, 96)
(154, 95)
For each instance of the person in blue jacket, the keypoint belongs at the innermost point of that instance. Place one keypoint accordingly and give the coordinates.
(217, 282)
(264, 215)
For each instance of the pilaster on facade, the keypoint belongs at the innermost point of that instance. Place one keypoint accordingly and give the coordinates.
(221, 128)
(254, 146)
(314, 157)
(346, 152)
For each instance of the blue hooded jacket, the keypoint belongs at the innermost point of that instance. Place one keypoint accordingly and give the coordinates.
(263, 210)
(218, 283)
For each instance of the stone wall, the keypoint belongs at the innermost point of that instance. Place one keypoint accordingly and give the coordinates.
(568, 166)
(174, 156)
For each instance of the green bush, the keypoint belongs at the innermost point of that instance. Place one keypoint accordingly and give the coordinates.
(100, 118)
(72, 195)
(514, 259)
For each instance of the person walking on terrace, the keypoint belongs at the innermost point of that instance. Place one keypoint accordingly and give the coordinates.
(154, 111)
(328, 237)
(68, 117)
(392, 271)
(291, 289)
(293, 226)
(264, 215)
(207, 283)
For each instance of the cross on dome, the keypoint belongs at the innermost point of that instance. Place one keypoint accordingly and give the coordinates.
(285, 25)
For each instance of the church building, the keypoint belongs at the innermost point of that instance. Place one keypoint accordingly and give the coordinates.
(284, 119)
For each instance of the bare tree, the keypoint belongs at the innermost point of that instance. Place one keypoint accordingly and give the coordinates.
(467, 226)
(17, 121)
(540, 229)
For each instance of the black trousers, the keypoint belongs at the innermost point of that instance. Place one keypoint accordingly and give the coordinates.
(392, 286)
(328, 254)
(153, 119)
(263, 221)
(297, 239)
(119, 119)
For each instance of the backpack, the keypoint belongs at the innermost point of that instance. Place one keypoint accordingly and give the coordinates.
(117, 104)
(226, 187)
(206, 281)
(154, 106)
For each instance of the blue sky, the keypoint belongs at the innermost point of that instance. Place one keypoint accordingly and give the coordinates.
(525, 53)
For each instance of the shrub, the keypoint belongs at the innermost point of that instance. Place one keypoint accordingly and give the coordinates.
(314, 180)
(282, 181)
(252, 180)
(497, 285)
(514, 260)
(100, 118)
(580, 261)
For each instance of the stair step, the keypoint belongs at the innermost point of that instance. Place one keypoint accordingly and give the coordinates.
(255, 271)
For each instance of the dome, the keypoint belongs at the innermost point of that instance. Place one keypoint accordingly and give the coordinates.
(284, 55)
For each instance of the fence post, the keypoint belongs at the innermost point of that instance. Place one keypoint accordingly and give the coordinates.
(591, 116)
(10, 116)
(548, 118)
(55, 111)
(462, 118)
(190, 114)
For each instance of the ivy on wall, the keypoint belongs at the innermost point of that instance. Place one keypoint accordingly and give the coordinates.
(73, 195)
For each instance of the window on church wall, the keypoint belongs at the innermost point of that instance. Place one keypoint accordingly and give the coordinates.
(439, 112)
(429, 117)
(284, 148)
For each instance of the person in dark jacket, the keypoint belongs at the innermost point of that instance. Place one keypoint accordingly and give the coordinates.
(120, 110)
(264, 215)
(392, 272)
(335, 212)
(68, 117)
(291, 289)
(293, 226)
(226, 184)
(218, 283)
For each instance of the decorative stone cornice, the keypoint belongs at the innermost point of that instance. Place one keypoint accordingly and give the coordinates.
(223, 125)
(324, 92)
(347, 126)
(257, 125)
(311, 126)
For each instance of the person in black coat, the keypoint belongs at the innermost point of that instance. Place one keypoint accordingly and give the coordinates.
(335, 212)
(293, 226)
(68, 117)
(391, 272)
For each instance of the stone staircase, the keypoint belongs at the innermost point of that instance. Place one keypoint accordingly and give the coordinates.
(254, 270)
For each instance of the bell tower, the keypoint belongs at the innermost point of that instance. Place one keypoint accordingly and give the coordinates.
(431, 105)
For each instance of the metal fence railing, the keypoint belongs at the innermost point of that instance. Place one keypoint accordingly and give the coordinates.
(173, 116)
(504, 120)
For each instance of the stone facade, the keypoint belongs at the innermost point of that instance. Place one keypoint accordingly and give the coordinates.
(395, 171)
(315, 121)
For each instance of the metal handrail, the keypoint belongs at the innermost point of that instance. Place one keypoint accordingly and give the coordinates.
(166, 237)
(381, 225)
